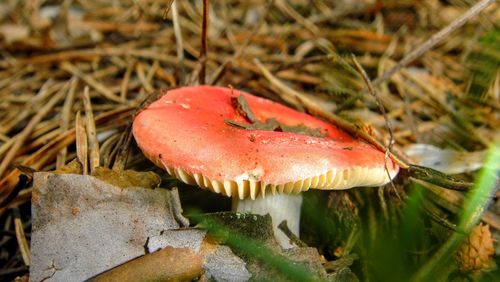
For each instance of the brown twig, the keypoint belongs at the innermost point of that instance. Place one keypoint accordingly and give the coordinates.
(433, 40)
(204, 38)
(293, 238)
(373, 92)
(388, 126)
(438, 178)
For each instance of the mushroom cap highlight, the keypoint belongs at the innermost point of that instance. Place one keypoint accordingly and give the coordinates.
(185, 132)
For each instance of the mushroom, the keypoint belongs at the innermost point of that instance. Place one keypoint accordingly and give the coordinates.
(190, 132)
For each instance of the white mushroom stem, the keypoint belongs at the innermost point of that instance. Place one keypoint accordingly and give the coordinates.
(280, 207)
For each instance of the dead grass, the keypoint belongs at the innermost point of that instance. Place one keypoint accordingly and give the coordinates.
(77, 70)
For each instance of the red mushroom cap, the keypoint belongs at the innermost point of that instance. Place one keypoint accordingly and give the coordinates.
(185, 132)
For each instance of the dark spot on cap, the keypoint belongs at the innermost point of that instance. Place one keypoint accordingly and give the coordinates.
(251, 138)
(160, 156)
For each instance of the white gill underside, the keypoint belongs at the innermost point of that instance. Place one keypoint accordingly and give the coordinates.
(331, 180)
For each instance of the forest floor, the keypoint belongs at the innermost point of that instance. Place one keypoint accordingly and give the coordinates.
(73, 73)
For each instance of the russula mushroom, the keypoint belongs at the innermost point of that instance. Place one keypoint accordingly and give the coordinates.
(188, 132)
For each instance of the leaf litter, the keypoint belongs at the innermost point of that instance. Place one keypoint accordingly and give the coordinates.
(72, 75)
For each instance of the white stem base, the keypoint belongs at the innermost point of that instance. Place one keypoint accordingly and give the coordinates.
(280, 207)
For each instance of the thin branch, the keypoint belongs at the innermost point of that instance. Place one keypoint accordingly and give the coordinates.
(203, 51)
(438, 178)
(434, 40)
(373, 92)
(283, 226)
